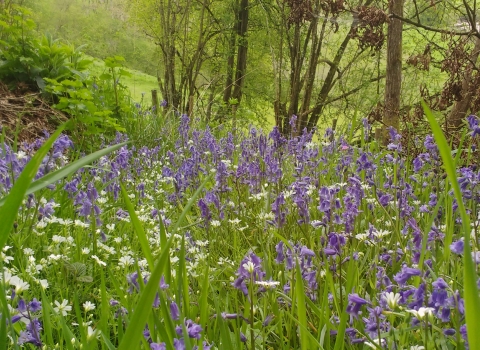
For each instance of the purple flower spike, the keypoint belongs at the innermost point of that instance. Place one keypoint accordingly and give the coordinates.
(178, 344)
(158, 346)
(250, 269)
(193, 329)
(354, 304)
(174, 311)
(403, 276)
(457, 247)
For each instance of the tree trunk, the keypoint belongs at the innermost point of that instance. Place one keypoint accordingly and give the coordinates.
(227, 92)
(242, 27)
(393, 83)
(461, 108)
(327, 86)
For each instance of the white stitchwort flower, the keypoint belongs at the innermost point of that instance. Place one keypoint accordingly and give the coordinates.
(62, 308)
(422, 312)
(92, 333)
(392, 300)
(249, 266)
(88, 306)
(99, 262)
(268, 284)
(125, 261)
(20, 286)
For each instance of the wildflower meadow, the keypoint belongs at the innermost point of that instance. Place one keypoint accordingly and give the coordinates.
(216, 239)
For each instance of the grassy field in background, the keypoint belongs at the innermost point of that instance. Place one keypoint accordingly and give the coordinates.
(139, 83)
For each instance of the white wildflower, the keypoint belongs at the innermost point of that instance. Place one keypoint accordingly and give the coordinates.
(88, 306)
(92, 333)
(80, 223)
(125, 261)
(43, 284)
(99, 262)
(267, 284)
(376, 343)
(58, 239)
(392, 300)
(62, 308)
(28, 251)
(235, 221)
(422, 312)
(249, 267)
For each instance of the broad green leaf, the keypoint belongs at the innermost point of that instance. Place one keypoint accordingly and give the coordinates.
(472, 299)
(59, 174)
(13, 201)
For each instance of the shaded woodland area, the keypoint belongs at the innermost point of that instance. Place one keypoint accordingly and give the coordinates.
(243, 60)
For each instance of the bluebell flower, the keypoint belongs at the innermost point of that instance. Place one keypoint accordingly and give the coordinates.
(250, 270)
(158, 346)
(354, 304)
(193, 329)
(404, 275)
(457, 247)
(174, 312)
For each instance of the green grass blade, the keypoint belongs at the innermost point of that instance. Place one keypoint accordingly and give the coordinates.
(472, 299)
(3, 332)
(59, 174)
(138, 228)
(13, 201)
(133, 336)
(5, 315)
(107, 342)
(104, 306)
(204, 299)
(189, 204)
(183, 281)
(47, 323)
(301, 309)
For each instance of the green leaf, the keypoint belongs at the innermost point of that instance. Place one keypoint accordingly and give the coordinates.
(13, 200)
(133, 335)
(302, 310)
(66, 170)
(85, 279)
(472, 299)
(138, 228)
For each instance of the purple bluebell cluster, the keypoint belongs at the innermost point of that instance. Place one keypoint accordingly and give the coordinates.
(272, 206)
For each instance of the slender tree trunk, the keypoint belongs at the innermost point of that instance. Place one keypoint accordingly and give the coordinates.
(227, 92)
(394, 70)
(295, 72)
(242, 50)
(328, 84)
(461, 108)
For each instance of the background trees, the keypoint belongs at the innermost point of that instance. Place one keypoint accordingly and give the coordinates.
(270, 59)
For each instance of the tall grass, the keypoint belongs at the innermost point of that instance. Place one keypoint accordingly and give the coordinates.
(239, 241)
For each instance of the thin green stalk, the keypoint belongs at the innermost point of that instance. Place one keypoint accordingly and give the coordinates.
(472, 299)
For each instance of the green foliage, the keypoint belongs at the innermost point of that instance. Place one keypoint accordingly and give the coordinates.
(8, 213)
(472, 299)
(104, 28)
(26, 58)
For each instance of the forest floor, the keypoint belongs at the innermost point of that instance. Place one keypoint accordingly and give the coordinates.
(26, 114)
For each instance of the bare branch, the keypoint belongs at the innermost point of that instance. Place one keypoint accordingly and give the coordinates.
(472, 32)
